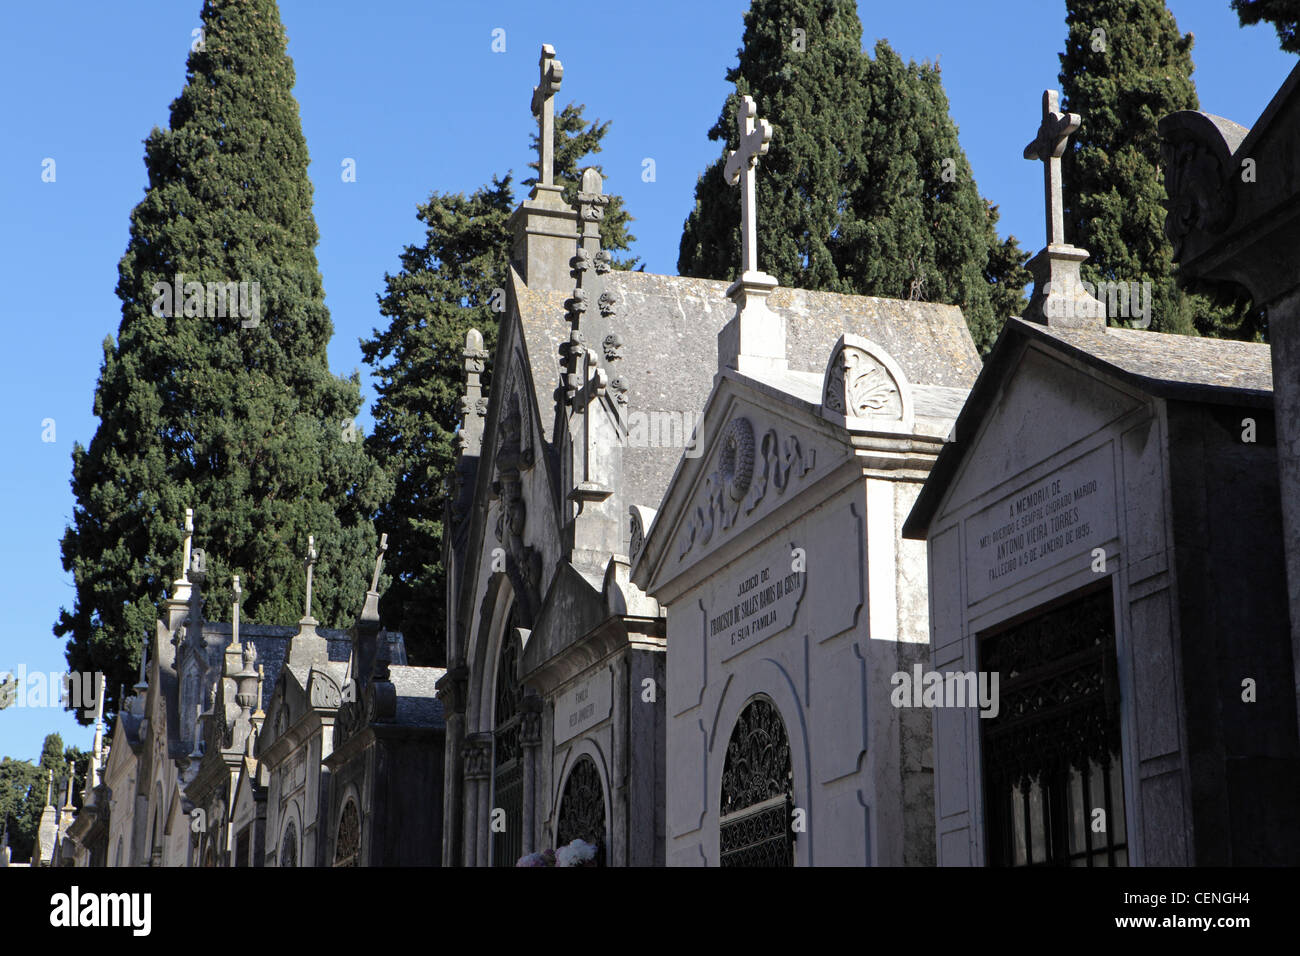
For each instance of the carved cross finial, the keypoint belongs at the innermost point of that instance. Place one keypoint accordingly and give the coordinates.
(551, 72)
(189, 539)
(1049, 146)
(742, 164)
(234, 610)
(309, 563)
(379, 561)
(144, 657)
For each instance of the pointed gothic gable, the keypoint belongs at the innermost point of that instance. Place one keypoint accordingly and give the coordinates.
(1110, 371)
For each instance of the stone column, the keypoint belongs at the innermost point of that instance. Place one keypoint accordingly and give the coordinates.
(452, 692)
(531, 738)
(1284, 336)
(478, 770)
(620, 826)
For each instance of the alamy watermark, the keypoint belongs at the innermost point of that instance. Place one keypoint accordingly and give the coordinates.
(79, 689)
(1119, 300)
(923, 688)
(664, 429)
(213, 300)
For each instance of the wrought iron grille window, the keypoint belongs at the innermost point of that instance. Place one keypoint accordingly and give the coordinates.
(347, 845)
(241, 848)
(582, 808)
(507, 756)
(757, 791)
(1053, 788)
(289, 847)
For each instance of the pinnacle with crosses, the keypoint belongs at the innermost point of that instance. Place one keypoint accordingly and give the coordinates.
(1059, 299)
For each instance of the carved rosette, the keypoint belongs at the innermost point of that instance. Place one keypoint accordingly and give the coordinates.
(736, 458)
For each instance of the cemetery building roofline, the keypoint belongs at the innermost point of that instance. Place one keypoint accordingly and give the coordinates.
(1182, 368)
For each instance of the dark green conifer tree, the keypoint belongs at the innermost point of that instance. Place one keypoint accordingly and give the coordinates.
(230, 410)
(1283, 14)
(1126, 65)
(865, 188)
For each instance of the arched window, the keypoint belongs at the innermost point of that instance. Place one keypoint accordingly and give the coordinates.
(289, 847)
(582, 808)
(757, 791)
(347, 844)
(507, 755)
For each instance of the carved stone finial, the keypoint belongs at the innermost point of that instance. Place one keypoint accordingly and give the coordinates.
(379, 561)
(309, 563)
(141, 686)
(234, 609)
(189, 538)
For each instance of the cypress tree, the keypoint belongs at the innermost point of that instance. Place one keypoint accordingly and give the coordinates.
(451, 283)
(19, 781)
(1125, 66)
(865, 188)
(1283, 14)
(231, 411)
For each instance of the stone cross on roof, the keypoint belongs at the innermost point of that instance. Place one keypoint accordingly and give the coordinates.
(742, 164)
(551, 72)
(189, 538)
(1049, 146)
(309, 563)
(1059, 298)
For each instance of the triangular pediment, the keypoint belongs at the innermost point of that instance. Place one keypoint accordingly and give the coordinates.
(758, 447)
(1046, 403)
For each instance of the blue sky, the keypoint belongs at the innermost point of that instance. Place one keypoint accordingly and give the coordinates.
(413, 92)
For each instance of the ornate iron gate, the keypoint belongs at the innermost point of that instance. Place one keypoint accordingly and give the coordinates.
(1053, 787)
(507, 759)
(582, 808)
(757, 791)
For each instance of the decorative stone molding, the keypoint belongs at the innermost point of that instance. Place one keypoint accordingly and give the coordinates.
(641, 520)
(613, 345)
(741, 479)
(530, 712)
(477, 756)
(863, 383)
(324, 692)
(1196, 149)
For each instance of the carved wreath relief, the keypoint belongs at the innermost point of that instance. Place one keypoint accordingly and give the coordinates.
(745, 469)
